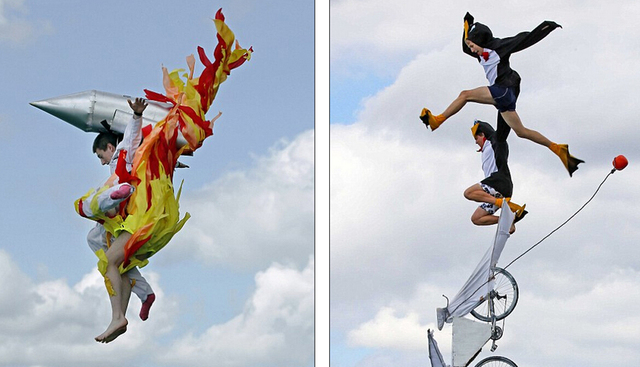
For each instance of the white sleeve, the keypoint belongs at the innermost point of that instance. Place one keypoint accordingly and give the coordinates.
(130, 142)
(132, 137)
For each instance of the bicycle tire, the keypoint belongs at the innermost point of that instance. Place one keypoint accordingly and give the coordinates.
(496, 361)
(505, 285)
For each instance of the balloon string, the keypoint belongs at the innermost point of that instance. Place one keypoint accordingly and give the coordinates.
(565, 222)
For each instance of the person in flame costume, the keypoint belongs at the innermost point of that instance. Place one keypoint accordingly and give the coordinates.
(150, 217)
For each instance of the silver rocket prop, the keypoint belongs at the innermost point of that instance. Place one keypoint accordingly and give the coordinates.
(90, 110)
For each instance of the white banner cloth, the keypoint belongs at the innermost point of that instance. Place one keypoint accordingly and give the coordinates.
(434, 353)
(478, 286)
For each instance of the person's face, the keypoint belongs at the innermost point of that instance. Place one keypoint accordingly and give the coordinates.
(105, 155)
(474, 48)
(480, 140)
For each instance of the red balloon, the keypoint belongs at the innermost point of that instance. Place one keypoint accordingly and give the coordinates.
(620, 162)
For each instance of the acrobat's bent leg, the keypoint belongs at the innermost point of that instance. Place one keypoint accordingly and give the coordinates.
(140, 285)
(96, 238)
(477, 194)
(111, 198)
(143, 290)
(482, 217)
(103, 200)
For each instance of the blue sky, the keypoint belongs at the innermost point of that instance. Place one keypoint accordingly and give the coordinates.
(241, 267)
(345, 100)
(400, 230)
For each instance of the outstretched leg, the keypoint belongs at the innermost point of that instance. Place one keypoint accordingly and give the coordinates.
(117, 290)
(477, 95)
(561, 150)
(513, 120)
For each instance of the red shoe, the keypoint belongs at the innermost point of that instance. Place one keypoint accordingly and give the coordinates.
(144, 310)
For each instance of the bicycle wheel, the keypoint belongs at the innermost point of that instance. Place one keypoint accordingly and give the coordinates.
(496, 361)
(504, 296)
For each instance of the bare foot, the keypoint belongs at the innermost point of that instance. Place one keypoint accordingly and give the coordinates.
(116, 328)
(512, 229)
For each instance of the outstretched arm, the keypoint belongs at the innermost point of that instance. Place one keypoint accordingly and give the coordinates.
(133, 133)
(527, 39)
(138, 106)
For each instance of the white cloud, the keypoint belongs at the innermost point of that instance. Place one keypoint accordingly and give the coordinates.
(249, 219)
(386, 330)
(15, 28)
(379, 36)
(53, 324)
(364, 32)
(598, 325)
(400, 230)
(275, 329)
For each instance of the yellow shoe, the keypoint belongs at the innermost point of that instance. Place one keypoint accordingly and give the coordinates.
(570, 162)
(519, 210)
(520, 214)
(429, 121)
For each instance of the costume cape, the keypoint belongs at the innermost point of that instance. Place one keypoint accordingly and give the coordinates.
(152, 214)
(482, 36)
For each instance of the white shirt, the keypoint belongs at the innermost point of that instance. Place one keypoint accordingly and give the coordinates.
(488, 159)
(490, 65)
(130, 143)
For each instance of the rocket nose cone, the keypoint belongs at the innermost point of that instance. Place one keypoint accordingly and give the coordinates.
(74, 109)
(39, 104)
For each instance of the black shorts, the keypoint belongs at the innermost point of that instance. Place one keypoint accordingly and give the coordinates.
(504, 97)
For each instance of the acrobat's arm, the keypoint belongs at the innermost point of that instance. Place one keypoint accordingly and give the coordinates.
(527, 39)
(133, 133)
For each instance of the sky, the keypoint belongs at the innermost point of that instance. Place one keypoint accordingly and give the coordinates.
(400, 229)
(236, 285)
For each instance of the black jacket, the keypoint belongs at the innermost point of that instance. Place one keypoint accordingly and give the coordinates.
(500, 179)
(481, 35)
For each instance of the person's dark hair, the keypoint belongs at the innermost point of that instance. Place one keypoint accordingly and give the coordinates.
(103, 139)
